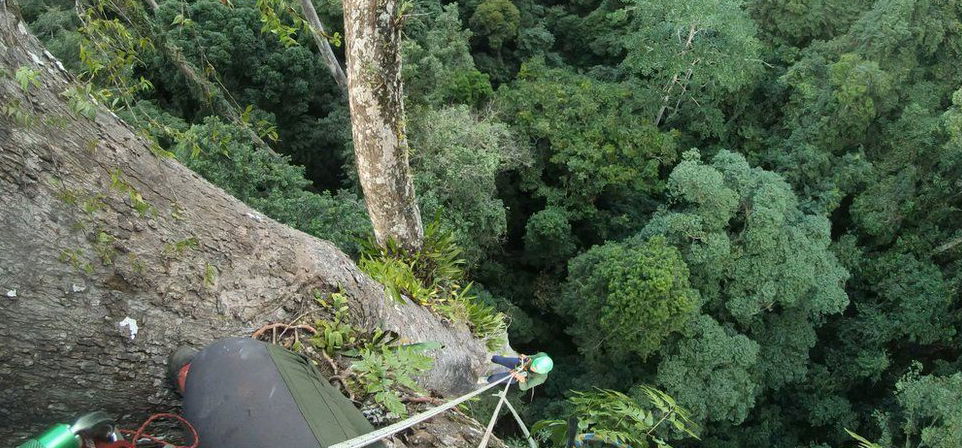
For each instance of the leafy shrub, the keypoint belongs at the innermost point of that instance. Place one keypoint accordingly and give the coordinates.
(335, 334)
(398, 279)
(436, 265)
(615, 417)
(484, 321)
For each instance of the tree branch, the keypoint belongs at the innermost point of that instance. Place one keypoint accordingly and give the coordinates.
(327, 54)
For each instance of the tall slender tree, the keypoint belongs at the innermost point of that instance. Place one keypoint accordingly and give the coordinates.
(373, 34)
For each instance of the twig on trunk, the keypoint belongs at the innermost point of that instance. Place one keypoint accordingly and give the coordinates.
(429, 400)
(260, 331)
(330, 362)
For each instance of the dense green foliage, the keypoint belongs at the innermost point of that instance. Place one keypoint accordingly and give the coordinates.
(631, 298)
(270, 184)
(455, 143)
(795, 277)
(586, 152)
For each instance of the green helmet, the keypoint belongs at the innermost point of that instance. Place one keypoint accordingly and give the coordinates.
(541, 364)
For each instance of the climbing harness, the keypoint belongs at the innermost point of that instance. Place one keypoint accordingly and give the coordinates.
(387, 431)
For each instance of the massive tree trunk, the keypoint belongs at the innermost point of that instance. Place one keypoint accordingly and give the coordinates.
(90, 222)
(373, 39)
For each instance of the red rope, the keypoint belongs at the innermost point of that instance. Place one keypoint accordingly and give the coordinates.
(141, 433)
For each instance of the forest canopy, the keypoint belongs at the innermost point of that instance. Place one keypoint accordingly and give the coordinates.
(751, 205)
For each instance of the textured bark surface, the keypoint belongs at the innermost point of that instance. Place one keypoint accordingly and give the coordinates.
(327, 53)
(373, 39)
(77, 258)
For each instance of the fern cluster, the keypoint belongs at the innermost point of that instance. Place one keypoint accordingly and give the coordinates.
(434, 277)
(385, 372)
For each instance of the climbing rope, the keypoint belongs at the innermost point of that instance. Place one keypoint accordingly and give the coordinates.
(524, 429)
(387, 431)
(494, 416)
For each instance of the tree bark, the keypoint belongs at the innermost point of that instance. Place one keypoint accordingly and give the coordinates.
(153, 5)
(373, 39)
(91, 222)
(947, 245)
(327, 53)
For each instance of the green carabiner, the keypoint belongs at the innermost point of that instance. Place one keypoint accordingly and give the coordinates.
(58, 436)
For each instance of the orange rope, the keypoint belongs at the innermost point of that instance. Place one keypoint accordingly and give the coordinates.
(141, 433)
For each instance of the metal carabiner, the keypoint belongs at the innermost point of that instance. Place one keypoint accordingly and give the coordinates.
(97, 426)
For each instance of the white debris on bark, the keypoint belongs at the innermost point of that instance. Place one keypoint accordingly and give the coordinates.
(131, 325)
